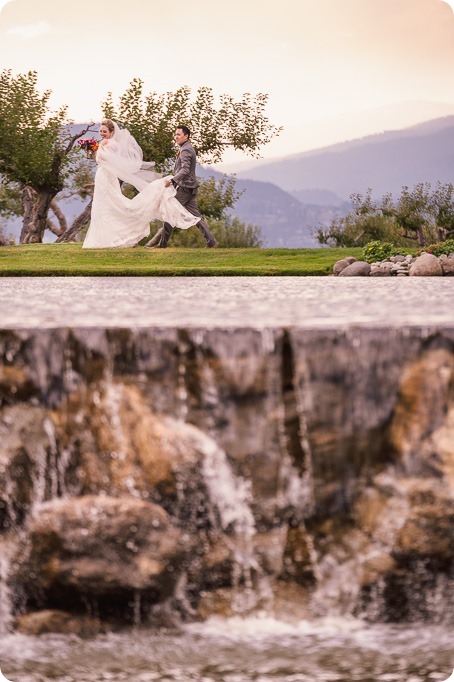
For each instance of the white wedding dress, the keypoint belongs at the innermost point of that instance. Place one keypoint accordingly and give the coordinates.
(117, 221)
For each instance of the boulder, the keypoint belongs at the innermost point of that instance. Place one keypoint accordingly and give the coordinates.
(447, 265)
(61, 622)
(340, 265)
(358, 269)
(102, 548)
(426, 265)
(350, 259)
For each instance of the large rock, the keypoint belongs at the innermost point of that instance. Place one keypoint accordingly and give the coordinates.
(99, 548)
(358, 269)
(447, 265)
(61, 622)
(426, 265)
(340, 265)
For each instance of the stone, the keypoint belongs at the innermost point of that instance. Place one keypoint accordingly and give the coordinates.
(357, 269)
(61, 622)
(340, 265)
(426, 265)
(97, 548)
(350, 259)
(448, 266)
(383, 269)
(397, 259)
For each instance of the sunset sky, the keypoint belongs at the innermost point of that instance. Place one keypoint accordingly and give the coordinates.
(333, 69)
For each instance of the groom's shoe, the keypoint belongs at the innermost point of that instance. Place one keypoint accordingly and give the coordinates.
(212, 244)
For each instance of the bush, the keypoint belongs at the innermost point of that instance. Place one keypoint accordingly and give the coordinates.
(439, 248)
(377, 251)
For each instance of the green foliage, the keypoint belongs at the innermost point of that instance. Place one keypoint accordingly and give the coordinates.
(230, 233)
(439, 248)
(32, 143)
(419, 214)
(10, 202)
(216, 196)
(377, 251)
(153, 118)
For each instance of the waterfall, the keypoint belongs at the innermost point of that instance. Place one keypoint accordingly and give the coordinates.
(231, 496)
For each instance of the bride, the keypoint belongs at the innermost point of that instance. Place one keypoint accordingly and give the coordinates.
(116, 220)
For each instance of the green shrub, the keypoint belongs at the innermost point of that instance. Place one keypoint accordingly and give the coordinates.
(377, 251)
(439, 248)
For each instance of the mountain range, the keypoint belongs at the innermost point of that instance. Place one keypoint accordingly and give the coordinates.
(384, 162)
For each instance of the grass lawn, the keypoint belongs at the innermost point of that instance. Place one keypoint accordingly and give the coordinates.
(69, 259)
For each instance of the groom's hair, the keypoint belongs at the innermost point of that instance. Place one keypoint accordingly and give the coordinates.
(185, 129)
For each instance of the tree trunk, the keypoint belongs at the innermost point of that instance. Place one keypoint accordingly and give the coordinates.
(80, 222)
(421, 238)
(36, 208)
(58, 213)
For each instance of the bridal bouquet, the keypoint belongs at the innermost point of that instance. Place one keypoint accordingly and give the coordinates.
(89, 145)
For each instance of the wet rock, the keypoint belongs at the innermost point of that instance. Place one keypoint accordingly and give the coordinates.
(357, 269)
(425, 402)
(426, 265)
(299, 557)
(60, 622)
(27, 451)
(102, 548)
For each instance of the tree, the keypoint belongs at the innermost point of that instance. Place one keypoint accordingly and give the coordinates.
(418, 214)
(152, 120)
(411, 212)
(35, 149)
(442, 208)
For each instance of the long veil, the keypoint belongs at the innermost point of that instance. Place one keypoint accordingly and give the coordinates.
(123, 157)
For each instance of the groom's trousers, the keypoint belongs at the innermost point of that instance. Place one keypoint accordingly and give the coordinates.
(187, 198)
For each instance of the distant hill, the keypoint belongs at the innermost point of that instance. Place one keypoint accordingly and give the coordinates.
(385, 162)
(284, 221)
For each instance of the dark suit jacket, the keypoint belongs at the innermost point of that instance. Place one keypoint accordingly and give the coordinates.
(184, 171)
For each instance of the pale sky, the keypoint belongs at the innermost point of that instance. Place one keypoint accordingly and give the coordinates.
(333, 69)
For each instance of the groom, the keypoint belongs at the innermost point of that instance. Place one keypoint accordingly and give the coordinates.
(185, 182)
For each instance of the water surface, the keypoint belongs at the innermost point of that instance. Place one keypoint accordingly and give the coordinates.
(250, 650)
(224, 301)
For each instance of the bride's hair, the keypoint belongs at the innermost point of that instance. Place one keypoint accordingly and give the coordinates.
(109, 124)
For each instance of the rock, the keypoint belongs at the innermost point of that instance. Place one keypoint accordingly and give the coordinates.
(299, 557)
(427, 265)
(61, 622)
(397, 259)
(409, 258)
(102, 548)
(358, 269)
(340, 265)
(350, 259)
(448, 266)
(423, 406)
(428, 533)
(384, 269)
